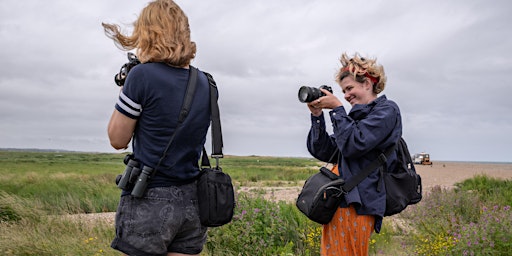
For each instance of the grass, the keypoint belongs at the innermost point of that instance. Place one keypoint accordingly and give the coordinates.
(36, 189)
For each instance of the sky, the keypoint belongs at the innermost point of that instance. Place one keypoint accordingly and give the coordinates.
(447, 62)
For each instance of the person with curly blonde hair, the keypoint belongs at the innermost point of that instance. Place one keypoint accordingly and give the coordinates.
(372, 125)
(165, 219)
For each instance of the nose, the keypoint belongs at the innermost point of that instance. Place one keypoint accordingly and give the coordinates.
(346, 95)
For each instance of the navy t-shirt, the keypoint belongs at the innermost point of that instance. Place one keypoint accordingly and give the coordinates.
(153, 94)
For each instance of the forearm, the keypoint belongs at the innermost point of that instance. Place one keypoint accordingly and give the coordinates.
(319, 143)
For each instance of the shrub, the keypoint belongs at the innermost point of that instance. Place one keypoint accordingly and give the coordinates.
(463, 221)
(488, 189)
(490, 235)
(262, 227)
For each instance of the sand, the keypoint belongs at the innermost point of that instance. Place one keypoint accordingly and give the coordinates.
(446, 174)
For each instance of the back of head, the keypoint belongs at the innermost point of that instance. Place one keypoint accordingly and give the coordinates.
(161, 34)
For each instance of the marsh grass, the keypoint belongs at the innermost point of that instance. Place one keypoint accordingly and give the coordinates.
(38, 189)
(33, 232)
(62, 182)
(467, 220)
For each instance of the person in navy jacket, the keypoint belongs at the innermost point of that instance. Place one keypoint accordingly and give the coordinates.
(360, 134)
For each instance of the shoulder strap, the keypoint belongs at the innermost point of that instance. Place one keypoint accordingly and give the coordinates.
(356, 179)
(217, 144)
(189, 95)
(216, 130)
(185, 109)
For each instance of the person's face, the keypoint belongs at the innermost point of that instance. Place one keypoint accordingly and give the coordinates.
(355, 92)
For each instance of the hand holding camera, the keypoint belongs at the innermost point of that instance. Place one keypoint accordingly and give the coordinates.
(318, 98)
(120, 77)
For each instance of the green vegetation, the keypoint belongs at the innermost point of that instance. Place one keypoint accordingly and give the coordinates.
(62, 182)
(39, 190)
(473, 219)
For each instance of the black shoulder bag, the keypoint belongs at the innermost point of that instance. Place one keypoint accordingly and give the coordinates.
(215, 191)
(321, 195)
(323, 192)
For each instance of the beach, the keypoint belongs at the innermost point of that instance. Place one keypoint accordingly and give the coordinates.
(446, 174)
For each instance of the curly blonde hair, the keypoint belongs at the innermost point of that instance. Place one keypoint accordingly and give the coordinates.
(161, 34)
(362, 69)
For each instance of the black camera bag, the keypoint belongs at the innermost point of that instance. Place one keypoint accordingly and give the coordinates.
(216, 197)
(321, 196)
(215, 191)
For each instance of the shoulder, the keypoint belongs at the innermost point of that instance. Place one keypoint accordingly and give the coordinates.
(384, 102)
(145, 68)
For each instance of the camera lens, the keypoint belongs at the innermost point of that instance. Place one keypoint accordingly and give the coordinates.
(308, 94)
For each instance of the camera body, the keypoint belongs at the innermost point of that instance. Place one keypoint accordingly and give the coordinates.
(120, 77)
(308, 94)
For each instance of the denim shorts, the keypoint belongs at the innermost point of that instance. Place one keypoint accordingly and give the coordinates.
(164, 220)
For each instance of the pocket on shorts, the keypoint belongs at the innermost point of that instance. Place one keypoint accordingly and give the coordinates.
(148, 216)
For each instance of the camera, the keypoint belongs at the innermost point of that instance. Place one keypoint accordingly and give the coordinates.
(309, 94)
(120, 77)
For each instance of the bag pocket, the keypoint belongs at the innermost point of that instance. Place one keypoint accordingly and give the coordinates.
(216, 197)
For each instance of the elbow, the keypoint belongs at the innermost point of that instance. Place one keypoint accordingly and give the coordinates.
(120, 130)
(117, 142)
(119, 146)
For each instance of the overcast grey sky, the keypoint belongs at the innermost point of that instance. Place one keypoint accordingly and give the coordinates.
(448, 65)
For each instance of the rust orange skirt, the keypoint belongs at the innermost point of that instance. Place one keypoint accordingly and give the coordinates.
(347, 233)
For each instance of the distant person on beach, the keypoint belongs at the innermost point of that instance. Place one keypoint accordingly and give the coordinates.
(372, 125)
(165, 220)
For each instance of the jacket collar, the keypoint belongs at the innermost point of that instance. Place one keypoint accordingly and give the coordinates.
(360, 111)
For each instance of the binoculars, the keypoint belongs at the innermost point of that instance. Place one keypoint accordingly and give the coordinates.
(134, 178)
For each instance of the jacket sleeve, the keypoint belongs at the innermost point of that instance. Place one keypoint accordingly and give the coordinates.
(319, 143)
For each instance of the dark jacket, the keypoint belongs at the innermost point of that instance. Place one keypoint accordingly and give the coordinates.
(361, 136)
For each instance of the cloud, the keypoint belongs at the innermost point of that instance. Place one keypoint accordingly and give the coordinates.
(448, 66)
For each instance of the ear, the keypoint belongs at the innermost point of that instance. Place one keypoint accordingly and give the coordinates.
(368, 85)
